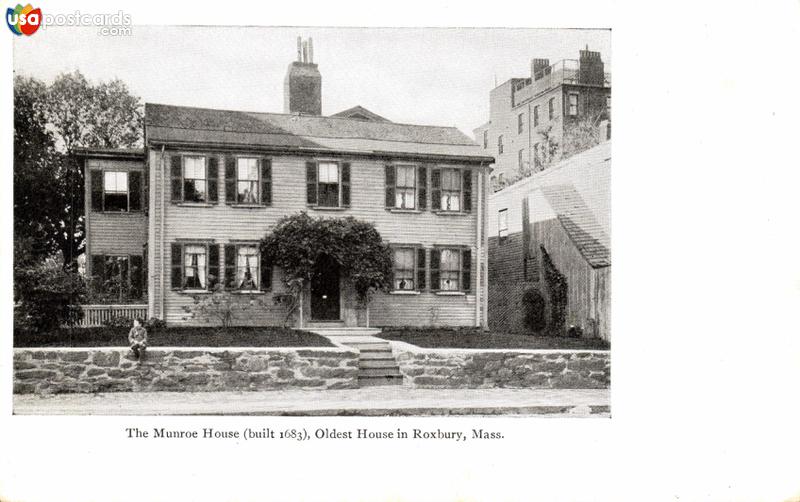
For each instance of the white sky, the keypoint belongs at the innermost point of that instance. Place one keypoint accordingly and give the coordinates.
(422, 76)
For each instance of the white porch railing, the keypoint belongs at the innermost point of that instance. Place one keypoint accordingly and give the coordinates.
(95, 315)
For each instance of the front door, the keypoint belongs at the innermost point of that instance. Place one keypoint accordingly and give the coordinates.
(325, 291)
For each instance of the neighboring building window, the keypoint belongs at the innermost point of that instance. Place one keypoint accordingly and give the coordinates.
(194, 267)
(247, 273)
(502, 224)
(520, 123)
(404, 273)
(536, 116)
(406, 187)
(501, 178)
(573, 105)
(536, 159)
(500, 144)
(115, 191)
(247, 181)
(608, 103)
(194, 179)
(485, 139)
(328, 187)
(551, 108)
(450, 270)
(493, 181)
(520, 155)
(451, 190)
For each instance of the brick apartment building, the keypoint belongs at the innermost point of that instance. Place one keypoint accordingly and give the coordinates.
(529, 118)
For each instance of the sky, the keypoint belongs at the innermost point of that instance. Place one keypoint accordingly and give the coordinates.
(425, 76)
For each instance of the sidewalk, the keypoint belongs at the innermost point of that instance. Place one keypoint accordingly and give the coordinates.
(369, 401)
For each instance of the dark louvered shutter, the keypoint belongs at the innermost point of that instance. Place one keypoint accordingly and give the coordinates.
(177, 266)
(230, 179)
(213, 179)
(311, 183)
(436, 189)
(135, 190)
(346, 184)
(97, 189)
(137, 276)
(266, 182)
(436, 256)
(390, 186)
(99, 267)
(230, 266)
(422, 187)
(421, 269)
(176, 175)
(266, 273)
(467, 189)
(466, 270)
(213, 266)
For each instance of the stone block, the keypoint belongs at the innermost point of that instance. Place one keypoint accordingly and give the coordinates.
(35, 374)
(284, 374)
(586, 365)
(23, 365)
(571, 380)
(73, 370)
(91, 372)
(106, 359)
(75, 357)
(24, 387)
(22, 355)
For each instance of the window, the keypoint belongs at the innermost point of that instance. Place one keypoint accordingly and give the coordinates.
(520, 123)
(247, 273)
(115, 191)
(573, 105)
(551, 108)
(404, 269)
(608, 103)
(451, 190)
(406, 188)
(501, 178)
(247, 181)
(450, 270)
(500, 144)
(328, 184)
(502, 224)
(537, 162)
(485, 139)
(536, 116)
(194, 179)
(194, 267)
(520, 156)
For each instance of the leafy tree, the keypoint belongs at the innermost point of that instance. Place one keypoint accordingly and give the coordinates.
(581, 134)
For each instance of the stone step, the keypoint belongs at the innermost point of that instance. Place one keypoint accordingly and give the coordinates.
(370, 347)
(364, 364)
(383, 380)
(379, 372)
(376, 355)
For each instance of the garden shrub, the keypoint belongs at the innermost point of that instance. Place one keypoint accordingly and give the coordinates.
(534, 308)
(47, 296)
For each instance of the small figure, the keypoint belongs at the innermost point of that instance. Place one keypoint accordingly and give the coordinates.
(138, 339)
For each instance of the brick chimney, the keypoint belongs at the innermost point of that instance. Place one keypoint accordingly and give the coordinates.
(302, 87)
(591, 68)
(538, 65)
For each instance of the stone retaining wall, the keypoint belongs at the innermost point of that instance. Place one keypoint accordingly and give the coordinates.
(476, 368)
(56, 370)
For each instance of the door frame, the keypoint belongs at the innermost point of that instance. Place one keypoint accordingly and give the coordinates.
(311, 317)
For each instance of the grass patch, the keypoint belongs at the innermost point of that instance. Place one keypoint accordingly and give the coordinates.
(473, 338)
(174, 337)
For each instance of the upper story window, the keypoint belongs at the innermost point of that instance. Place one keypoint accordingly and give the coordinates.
(406, 186)
(194, 178)
(536, 116)
(502, 224)
(247, 181)
(500, 144)
(406, 192)
(520, 157)
(328, 184)
(537, 160)
(608, 103)
(115, 190)
(520, 123)
(451, 190)
(573, 105)
(195, 183)
(551, 108)
(485, 139)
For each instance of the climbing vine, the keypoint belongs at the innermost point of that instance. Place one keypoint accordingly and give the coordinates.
(557, 287)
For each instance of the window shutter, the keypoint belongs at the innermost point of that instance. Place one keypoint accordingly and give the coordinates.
(311, 183)
(213, 179)
(213, 266)
(230, 179)
(266, 273)
(436, 256)
(96, 176)
(230, 266)
(99, 267)
(422, 187)
(421, 269)
(177, 266)
(176, 174)
(346, 184)
(436, 189)
(137, 275)
(466, 270)
(266, 182)
(390, 186)
(135, 190)
(467, 189)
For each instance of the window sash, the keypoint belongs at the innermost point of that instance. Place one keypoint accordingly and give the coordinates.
(195, 266)
(451, 189)
(116, 191)
(405, 187)
(248, 260)
(551, 107)
(405, 269)
(450, 269)
(195, 179)
(520, 123)
(247, 181)
(328, 184)
(502, 223)
(573, 104)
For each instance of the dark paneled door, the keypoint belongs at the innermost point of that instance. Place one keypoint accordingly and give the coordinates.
(325, 291)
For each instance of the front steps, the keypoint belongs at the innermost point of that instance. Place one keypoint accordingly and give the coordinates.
(376, 363)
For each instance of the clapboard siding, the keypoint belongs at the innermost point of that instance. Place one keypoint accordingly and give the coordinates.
(224, 223)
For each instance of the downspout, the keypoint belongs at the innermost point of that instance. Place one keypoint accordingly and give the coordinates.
(161, 237)
(479, 246)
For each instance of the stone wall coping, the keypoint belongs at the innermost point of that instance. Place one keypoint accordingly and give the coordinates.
(337, 349)
(413, 348)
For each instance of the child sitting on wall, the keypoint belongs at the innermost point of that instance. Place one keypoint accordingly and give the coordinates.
(138, 339)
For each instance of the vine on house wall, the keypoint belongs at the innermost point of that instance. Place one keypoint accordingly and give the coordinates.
(557, 288)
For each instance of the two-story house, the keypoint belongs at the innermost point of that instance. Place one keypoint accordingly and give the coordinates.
(211, 183)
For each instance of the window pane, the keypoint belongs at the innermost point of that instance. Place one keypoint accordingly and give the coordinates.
(404, 258)
(247, 192)
(328, 172)
(194, 267)
(115, 181)
(404, 269)
(194, 190)
(194, 168)
(405, 198)
(115, 201)
(328, 195)
(406, 176)
(451, 259)
(451, 201)
(247, 169)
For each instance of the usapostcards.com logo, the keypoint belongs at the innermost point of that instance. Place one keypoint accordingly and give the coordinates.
(23, 20)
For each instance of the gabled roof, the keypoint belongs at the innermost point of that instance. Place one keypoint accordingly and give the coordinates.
(180, 125)
(360, 113)
(580, 223)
